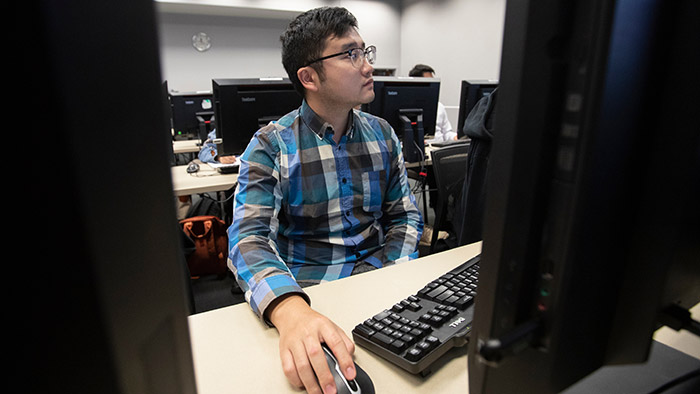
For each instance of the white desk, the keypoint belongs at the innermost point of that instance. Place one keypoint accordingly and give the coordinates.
(234, 352)
(429, 149)
(207, 179)
(186, 146)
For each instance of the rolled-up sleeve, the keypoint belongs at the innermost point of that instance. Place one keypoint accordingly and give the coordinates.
(253, 255)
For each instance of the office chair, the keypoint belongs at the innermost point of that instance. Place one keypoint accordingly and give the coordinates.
(448, 165)
(479, 128)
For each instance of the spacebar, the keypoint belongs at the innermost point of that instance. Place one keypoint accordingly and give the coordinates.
(382, 340)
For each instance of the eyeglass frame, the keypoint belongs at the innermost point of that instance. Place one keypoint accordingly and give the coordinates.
(365, 51)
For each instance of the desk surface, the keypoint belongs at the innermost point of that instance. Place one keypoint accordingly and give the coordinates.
(207, 179)
(186, 146)
(234, 351)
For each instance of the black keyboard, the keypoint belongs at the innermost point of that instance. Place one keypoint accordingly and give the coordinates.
(419, 329)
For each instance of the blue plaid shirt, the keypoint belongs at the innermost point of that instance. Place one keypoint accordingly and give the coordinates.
(307, 209)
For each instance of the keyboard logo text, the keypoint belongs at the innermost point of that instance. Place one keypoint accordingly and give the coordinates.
(457, 322)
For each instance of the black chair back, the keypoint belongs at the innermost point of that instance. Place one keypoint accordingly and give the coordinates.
(448, 166)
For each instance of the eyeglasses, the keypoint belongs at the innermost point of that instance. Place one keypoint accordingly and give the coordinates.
(356, 55)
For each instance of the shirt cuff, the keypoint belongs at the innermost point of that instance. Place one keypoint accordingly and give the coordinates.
(270, 289)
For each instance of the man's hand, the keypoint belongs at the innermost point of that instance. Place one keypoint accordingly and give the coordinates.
(227, 159)
(302, 330)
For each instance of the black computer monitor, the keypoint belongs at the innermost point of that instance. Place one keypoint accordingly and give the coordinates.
(471, 91)
(116, 293)
(410, 106)
(192, 115)
(591, 235)
(244, 105)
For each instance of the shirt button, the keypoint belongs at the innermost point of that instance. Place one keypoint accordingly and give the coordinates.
(345, 180)
(347, 213)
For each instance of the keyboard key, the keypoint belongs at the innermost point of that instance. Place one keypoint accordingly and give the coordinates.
(364, 331)
(435, 292)
(381, 339)
(381, 316)
(409, 339)
(415, 354)
(444, 295)
(416, 332)
(464, 302)
(397, 346)
(432, 341)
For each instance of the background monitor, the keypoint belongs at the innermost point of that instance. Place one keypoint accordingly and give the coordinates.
(592, 219)
(471, 91)
(400, 101)
(192, 115)
(243, 106)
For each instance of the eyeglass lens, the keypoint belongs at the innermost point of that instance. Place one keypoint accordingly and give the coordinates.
(359, 55)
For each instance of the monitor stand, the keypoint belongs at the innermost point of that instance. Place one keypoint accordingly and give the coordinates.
(412, 135)
(206, 122)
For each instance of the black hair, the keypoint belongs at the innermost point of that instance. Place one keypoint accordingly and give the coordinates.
(419, 69)
(305, 38)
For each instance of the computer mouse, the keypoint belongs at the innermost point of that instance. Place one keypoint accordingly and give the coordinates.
(192, 167)
(361, 384)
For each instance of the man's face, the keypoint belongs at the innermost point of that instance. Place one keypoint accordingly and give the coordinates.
(342, 82)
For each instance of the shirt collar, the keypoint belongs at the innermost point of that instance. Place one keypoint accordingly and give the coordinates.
(318, 126)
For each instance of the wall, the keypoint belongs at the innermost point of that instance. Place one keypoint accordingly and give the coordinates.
(245, 39)
(460, 39)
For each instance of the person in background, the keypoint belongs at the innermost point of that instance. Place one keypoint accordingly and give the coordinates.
(443, 128)
(208, 153)
(322, 195)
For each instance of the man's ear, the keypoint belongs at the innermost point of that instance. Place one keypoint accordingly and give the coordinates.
(309, 78)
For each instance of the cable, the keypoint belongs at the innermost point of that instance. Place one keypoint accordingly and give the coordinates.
(422, 176)
(207, 196)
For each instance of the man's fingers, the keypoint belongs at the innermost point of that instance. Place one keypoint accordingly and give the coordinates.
(343, 349)
(319, 363)
(308, 368)
(290, 369)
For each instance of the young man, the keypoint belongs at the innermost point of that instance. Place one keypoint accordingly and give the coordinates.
(322, 195)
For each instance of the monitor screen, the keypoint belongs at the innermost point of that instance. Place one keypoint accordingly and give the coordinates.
(192, 115)
(471, 91)
(592, 219)
(242, 106)
(407, 104)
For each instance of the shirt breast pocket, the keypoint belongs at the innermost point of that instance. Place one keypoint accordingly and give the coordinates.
(373, 190)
